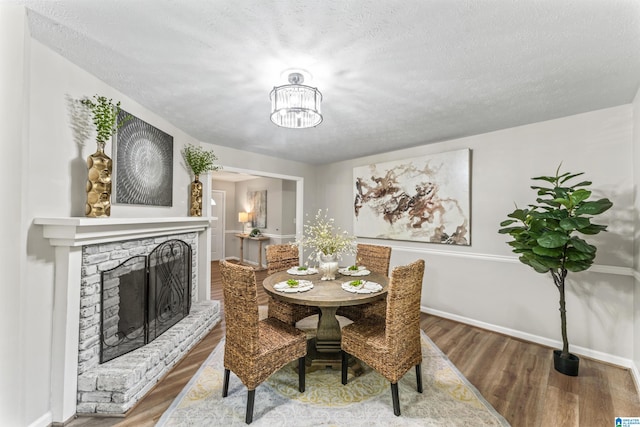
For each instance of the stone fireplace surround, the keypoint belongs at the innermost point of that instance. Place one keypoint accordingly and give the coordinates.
(78, 386)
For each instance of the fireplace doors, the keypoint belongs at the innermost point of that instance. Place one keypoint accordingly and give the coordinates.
(143, 297)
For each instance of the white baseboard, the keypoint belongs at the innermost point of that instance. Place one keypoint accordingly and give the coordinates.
(583, 351)
(44, 420)
(636, 376)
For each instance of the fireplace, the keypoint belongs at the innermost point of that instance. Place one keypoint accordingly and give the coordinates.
(86, 247)
(143, 297)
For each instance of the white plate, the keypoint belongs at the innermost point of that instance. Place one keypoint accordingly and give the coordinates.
(303, 285)
(362, 271)
(364, 288)
(296, 272)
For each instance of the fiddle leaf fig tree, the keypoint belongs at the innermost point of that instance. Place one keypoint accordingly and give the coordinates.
(548, 235)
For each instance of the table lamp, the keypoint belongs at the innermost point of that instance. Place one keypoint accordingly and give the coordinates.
(243, 217)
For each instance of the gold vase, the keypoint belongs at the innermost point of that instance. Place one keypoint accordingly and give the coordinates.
(99, 184)
(196, 198)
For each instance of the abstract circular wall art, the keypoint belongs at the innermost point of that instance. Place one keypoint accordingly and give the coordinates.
(143, 163)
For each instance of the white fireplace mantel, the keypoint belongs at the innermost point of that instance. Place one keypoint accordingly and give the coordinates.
(80, 231)
(68, 236)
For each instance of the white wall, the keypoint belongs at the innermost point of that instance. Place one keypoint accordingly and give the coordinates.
(484, 284)
(273, 187)
(288, 208)
(636, 258)
(14, 82)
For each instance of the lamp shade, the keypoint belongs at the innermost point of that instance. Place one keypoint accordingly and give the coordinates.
(243, 217)
(296, 105)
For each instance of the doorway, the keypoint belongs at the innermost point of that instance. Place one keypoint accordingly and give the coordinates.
(217, 224)
(229, 178)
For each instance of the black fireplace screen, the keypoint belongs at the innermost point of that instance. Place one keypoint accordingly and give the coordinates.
(143, 297)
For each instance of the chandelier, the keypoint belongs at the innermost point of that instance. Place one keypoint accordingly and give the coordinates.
(296, 105)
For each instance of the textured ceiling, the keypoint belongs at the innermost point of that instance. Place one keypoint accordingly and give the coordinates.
(394, 74)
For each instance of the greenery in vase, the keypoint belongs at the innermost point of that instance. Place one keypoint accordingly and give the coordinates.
(547, 234)
(199, 160)
(323, 236)
(105, 117)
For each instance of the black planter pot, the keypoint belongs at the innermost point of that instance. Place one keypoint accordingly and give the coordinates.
(566, 366)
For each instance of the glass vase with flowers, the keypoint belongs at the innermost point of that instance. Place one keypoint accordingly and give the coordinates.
(327, 243)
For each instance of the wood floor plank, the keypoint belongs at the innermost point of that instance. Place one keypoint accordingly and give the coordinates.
(560, 408)
(515, 376)
(593, 376)
(517, 380)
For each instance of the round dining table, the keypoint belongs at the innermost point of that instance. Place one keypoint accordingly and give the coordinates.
(328, 296)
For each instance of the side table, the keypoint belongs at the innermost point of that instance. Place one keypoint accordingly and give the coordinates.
(258, 239)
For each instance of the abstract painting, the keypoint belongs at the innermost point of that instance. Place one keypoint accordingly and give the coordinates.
(143, 163)
(258, 208)
(425, 199)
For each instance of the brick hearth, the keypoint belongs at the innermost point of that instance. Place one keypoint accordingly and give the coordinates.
(113, 387)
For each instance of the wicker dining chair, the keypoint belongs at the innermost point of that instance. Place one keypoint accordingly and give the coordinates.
(391, 345)
(280, 258)
(254, 349)
(376, 258)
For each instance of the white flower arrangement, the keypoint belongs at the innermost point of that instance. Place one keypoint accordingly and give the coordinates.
(322, 235)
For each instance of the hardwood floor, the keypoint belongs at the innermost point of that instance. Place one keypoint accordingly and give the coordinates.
(515, 376)
(519, 380)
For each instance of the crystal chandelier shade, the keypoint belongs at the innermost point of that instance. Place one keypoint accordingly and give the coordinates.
(296, 105)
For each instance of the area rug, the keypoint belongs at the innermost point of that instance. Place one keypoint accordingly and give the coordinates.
(448, 398)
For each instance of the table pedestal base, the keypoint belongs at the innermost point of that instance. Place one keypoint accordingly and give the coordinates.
(316, 360)
(324, 351)
(328, 334)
